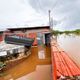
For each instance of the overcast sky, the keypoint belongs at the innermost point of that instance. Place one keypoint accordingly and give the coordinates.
(17, 13)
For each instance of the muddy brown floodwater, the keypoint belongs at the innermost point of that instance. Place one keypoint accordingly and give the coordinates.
(32, 65)
(71, 44)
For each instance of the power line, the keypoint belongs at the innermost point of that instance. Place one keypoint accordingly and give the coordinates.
(39, 4)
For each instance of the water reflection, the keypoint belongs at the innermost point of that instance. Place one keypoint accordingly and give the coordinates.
(71, 44)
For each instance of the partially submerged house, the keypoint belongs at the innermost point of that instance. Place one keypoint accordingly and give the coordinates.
(17, 40)
(38, 32)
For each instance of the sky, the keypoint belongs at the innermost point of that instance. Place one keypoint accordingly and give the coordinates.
(26, 13)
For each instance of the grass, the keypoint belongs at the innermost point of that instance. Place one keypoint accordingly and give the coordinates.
(56, 32)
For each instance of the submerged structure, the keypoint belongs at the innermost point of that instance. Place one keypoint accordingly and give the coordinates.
(39, 32)
(18, 40)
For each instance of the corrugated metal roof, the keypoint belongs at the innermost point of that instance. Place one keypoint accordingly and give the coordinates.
(5, 47)
(30, 27)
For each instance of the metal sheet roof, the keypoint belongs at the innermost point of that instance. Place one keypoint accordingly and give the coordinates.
(5, 47)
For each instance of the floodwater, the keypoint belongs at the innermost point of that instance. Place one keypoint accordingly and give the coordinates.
(70, 44)
(39, 74)
(32, 68)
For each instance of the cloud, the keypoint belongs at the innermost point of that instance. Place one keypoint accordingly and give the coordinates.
(67, 12)
(17, 13)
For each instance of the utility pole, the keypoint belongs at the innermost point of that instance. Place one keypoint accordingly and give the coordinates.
(51, 23)
(49, 17)
(50, 20)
